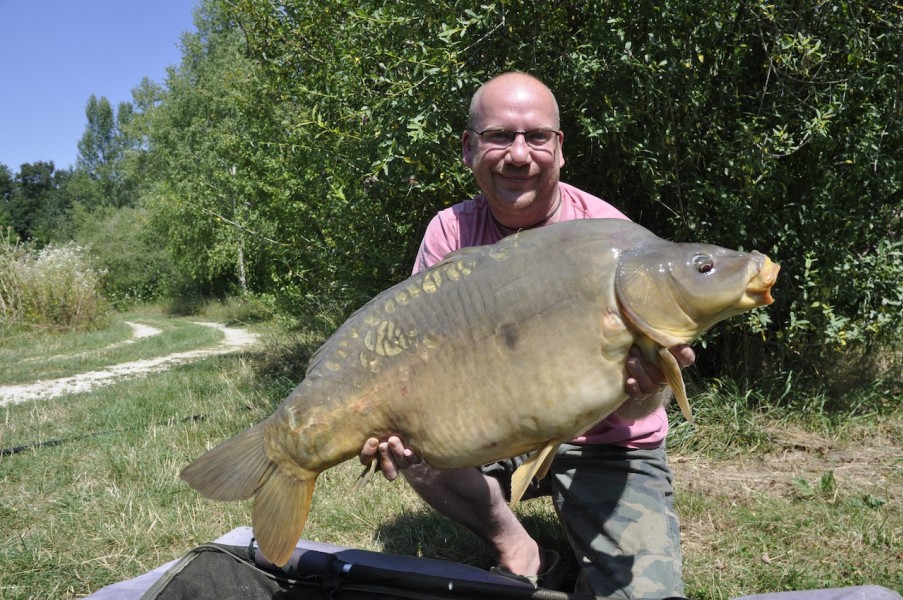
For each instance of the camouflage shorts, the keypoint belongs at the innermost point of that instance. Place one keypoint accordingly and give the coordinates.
(616, 506)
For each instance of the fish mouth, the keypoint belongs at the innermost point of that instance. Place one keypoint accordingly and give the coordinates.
(758, 290)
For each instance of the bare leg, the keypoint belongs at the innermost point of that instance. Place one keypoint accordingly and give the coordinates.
(476, 501)
(466, 496)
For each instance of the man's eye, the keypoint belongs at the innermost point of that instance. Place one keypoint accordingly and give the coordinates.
(539, 137)
(497, 137)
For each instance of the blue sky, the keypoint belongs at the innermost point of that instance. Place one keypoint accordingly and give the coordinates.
(56, 53)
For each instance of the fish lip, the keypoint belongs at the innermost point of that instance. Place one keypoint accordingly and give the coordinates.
(758, 291)
(756, 299)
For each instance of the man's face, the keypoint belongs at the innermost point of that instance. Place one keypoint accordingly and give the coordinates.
(520, 182)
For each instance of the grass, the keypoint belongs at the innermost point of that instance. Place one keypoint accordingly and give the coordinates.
(769, 498)
(788, 497)
(54, 286)
(107, 503)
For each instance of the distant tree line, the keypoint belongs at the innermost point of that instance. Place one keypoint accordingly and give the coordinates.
(297, 151)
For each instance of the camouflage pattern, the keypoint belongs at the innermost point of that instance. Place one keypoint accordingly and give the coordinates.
(616, 506)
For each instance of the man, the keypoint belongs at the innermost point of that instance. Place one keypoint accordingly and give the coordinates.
(612, 485)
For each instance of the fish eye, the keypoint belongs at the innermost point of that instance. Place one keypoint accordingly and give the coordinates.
(703, 263)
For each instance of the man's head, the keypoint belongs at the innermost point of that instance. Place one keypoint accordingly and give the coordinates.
(520, 180)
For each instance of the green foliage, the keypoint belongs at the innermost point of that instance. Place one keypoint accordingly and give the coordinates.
(825, 487)
(129, 252)
(325, 182)
(55, 287)
(7, 188)
(102, 150)
(299, 150)
(765, 126)
(35, 201)
(197, 197)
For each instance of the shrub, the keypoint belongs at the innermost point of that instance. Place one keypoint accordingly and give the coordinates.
(135, 264)
(55, 286)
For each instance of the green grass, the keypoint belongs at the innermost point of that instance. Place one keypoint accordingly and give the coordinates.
(106, 503)
(769, 498)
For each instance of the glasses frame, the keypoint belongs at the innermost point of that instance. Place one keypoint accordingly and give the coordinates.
(544, 146)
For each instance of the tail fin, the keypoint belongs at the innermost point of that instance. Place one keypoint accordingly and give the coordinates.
(279, 514)
(238, 469)
(234, 470)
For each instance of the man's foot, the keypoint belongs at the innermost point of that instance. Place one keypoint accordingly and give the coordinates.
(549, 576)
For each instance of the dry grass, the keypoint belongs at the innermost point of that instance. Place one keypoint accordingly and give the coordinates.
(812, 511)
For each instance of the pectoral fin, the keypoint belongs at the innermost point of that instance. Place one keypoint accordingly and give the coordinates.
(536, 466)
(366, 475)
(667, 364)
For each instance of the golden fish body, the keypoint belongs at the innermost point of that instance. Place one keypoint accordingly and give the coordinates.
(494, 352)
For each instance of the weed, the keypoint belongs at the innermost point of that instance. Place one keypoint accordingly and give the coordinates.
(55, 286)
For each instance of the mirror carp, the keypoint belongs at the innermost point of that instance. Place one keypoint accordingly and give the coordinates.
(494, 352)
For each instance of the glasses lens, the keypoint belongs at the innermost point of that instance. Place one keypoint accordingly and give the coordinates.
(539, 138)
(498, 137)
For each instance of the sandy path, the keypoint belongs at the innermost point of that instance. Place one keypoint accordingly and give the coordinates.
(140, 331)
(233, 340)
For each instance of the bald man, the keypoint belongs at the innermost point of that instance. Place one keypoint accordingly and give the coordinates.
(612, 485)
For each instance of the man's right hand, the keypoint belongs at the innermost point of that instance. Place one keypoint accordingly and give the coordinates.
(391, 454)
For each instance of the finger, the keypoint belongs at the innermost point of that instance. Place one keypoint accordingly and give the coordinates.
(396, 446)
(387, 462)
(649, 380)
(404, 457)
(632, 388)
(368, 452)
(684, 355)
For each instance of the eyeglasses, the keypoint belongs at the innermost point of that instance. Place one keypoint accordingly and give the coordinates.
(538, 139)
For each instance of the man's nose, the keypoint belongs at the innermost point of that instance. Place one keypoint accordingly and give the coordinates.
(519, 152)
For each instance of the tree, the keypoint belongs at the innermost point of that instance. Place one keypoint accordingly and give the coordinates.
(102, 151)
(35, 184)
(352, 131)
(196, 136)
(754, 125)
(126, 249)
(7, 189)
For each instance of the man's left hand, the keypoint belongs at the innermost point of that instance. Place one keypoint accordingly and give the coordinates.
(644, 378)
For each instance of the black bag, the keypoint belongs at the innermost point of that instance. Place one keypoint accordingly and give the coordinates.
(223, 572)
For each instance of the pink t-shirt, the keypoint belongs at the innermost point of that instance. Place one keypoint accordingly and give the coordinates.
(469, 223)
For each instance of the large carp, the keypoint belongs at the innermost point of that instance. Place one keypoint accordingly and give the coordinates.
(494, 352)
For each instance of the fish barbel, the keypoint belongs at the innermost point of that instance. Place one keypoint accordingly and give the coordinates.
(494, 352)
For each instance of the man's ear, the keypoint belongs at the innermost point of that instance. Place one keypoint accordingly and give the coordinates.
(560, 149)
(467, 148)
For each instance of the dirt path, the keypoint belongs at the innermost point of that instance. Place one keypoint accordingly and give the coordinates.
(871, 466)
(140, 331)
(233, 341)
